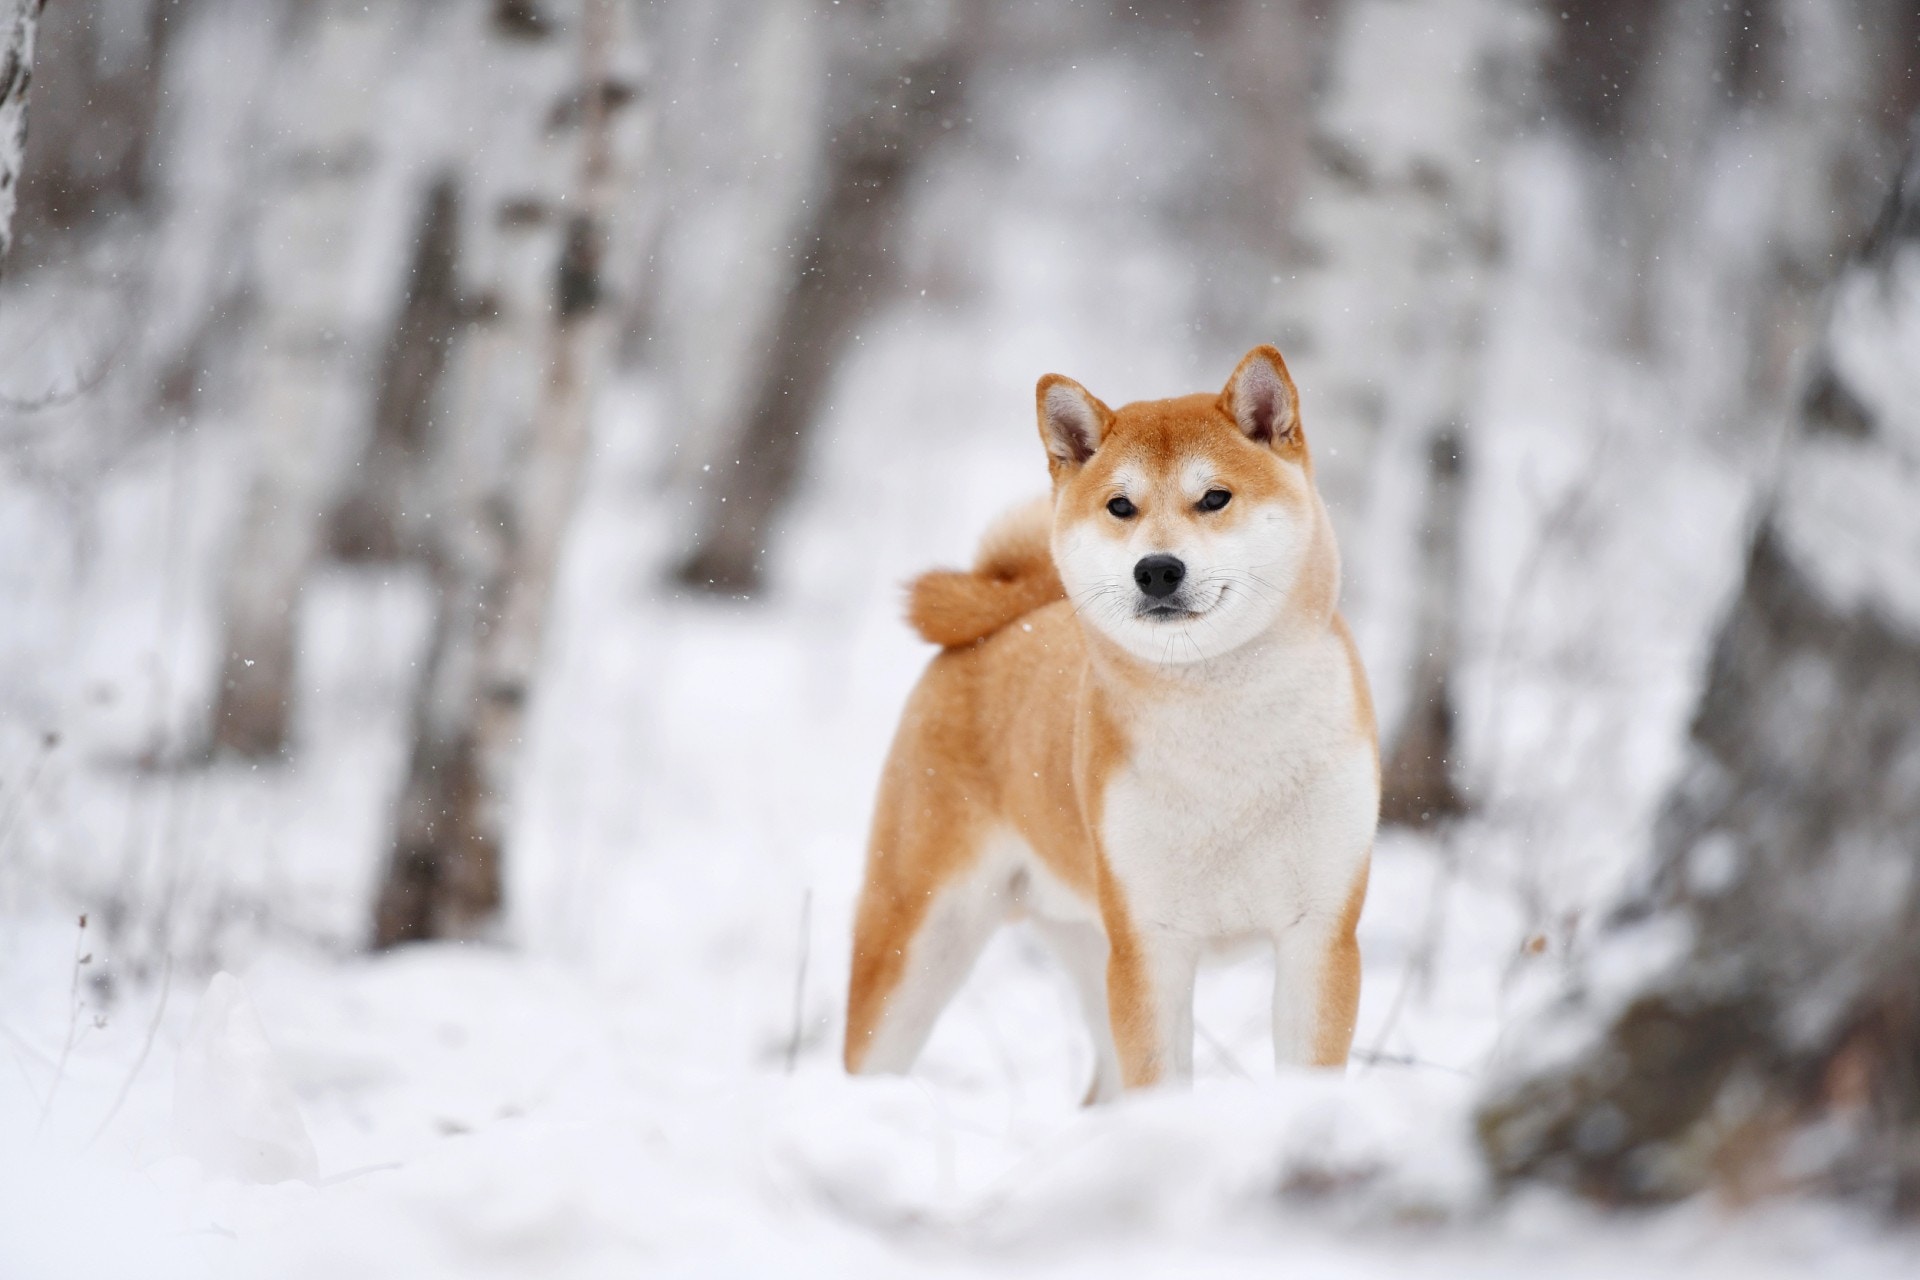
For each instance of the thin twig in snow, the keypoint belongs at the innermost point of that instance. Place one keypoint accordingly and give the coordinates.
(16, 1044)
(362, 1171)
(84, 383)
(25, 792)
(73, 1022)
(146, 1047)
(944, 1169)
(1220, 1050)
(800, 978)
(983, 1014)
(1419, 965)
(1373, 1058)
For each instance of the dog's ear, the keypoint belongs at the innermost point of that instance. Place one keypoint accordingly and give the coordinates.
(1260, 397)
(1072, 420)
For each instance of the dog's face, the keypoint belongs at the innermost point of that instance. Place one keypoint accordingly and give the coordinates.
(1184, 528)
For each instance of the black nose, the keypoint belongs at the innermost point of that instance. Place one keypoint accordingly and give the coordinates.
(1158, 576)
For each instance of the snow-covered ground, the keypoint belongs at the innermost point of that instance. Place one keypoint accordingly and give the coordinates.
(642, 1078)
(625, 1089)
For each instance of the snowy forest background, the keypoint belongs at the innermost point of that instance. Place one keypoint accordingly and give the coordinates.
(458, 462)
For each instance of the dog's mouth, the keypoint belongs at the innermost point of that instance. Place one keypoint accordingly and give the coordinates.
(1175, 610)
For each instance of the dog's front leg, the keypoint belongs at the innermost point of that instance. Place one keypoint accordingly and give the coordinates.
(1150, 976)
(1316, 987)
(1316, 993)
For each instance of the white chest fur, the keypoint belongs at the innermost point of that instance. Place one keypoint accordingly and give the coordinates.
(1247, 802)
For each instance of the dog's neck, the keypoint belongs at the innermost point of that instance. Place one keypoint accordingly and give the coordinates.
(1269, 663)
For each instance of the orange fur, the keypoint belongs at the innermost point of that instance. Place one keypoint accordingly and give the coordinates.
(1362, 695)
(985, 735)
(1340, 982)
(1130, 994)
(1013, 576)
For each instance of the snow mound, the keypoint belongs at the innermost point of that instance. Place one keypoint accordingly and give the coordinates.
(233, 1105)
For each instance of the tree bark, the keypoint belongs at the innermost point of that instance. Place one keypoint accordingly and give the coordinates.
(1782, 1048)
(1815, 89)
(560, 184)
(1401, 238)
(18, 20)
(1678, 101)
(100, 73)
(302, 397)
(381, 516)
(1417, 784)
(1824, 69)
(1598, 55)
(892, 111)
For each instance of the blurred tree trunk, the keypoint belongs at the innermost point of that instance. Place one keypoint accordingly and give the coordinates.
(1825, 70)
(1417, 786)
(380, 517)
(898, 85)
(743, 148)
(1782, 1047)
(195, 218)
(312, 333)
(1597, 58)
(18, 19)
(1677, 101)
(1267, 62)
(1810, 97)
(1399, 230)
(557, 185)
(99, 64)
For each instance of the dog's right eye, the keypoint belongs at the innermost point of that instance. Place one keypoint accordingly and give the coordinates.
(1120, 508)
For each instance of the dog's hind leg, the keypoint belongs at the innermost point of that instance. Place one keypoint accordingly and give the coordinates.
(915, 939)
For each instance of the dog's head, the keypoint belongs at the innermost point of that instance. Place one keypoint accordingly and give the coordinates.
(1185, 528)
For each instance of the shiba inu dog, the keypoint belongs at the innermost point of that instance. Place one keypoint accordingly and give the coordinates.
(1149, 733)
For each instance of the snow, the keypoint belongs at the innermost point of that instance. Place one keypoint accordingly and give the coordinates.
(230, 1086)
(480, 1112)
(611, 1093)
(233, 1104)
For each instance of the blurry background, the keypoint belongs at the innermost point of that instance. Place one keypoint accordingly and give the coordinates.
(458, 460)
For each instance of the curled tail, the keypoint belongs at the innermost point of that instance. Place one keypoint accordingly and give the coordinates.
(1012, 576)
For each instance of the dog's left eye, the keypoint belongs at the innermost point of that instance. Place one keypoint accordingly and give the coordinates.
(1215, 499)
